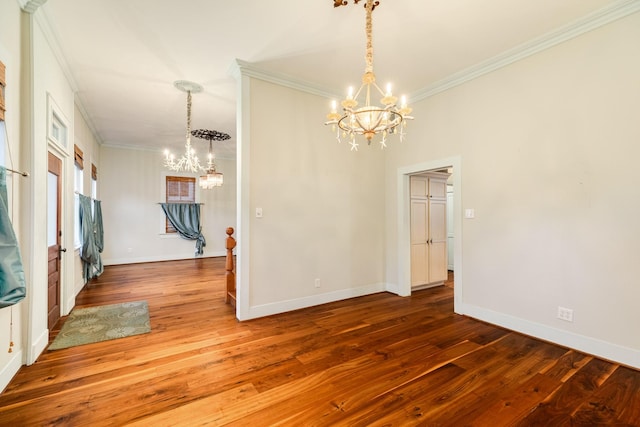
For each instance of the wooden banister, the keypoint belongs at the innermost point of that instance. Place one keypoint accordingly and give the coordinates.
(230, 295)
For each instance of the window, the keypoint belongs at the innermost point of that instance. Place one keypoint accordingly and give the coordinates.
(94, 185)
(180, 189)
(3, 143)
(2, 124)
(3, 83)
(77, 186)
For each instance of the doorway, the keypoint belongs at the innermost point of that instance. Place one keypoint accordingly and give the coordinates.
(428, 228)
(404, 223)
(54, 234)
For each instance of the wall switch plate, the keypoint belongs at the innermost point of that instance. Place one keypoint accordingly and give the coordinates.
(258, 212)
(469, 213)
(317, 283)
(565, 314)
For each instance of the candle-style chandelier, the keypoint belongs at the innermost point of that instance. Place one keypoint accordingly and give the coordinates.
(212, 178)
(189, 160)
(368, 120)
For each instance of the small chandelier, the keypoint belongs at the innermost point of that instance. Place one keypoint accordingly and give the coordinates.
(212, 178)
(368, 120)
(189, 160)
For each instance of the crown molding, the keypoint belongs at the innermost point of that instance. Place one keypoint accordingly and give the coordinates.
(599, 18)
(30, 6)
(242, 68)
(583, 25)
(44, 21)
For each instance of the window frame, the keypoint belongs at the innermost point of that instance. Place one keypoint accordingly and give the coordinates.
(192, 185)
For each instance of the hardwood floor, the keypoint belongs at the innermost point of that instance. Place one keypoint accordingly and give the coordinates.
(370, 361)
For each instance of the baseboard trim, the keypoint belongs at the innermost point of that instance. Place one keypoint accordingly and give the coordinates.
(602, 349)
(263, 310)
(10, 370)
(38, 346)
(139, 260)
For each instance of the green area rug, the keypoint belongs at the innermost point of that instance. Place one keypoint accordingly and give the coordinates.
(101, 323)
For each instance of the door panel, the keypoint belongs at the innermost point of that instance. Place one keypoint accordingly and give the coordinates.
(419, 231)
(419, 244)
(437, 240)
(419, 265)
(54, 192)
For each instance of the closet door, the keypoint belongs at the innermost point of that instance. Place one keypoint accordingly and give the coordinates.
(419, 242)
(437, 240)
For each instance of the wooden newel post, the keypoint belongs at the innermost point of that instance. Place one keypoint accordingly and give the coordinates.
(230, 295)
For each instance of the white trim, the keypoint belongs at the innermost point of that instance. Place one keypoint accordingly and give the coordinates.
(311, 301)
(31, 6)
(585, 24)
(597, 19)
(243, 201)
(28, 326)
(606, 350)
(39, 345)
(175, 257)
(403, 225)
(10, 369)
(251, 70)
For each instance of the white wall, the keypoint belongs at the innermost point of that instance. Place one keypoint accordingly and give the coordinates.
(10, 37)
(37, 82)
(131, 186)
(50, 87)
(323, 206)
(548, 150)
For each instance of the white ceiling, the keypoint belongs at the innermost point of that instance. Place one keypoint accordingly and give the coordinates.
(124, 55)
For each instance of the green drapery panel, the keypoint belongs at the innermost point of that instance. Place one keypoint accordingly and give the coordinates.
(89, 252)
(12, 283)
(185, 218)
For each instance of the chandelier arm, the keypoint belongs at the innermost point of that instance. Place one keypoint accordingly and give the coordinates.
(379, 88)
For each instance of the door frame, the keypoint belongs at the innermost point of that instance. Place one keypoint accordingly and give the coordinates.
(59, 223)
(404, 222)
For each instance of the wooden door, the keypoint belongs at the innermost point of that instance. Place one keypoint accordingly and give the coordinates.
(54, 195)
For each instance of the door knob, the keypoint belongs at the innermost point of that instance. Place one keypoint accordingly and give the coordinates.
(60, 250)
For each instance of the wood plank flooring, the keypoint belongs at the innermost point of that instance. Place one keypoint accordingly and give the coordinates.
(378, 360)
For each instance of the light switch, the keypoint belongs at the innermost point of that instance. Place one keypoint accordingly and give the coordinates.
(258, 212)
(469, 213)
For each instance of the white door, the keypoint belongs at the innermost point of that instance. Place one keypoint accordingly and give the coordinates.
(437, 240)
(419, 243)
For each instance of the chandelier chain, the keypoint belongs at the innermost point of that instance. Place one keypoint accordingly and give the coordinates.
(188, 117)
(368, 28)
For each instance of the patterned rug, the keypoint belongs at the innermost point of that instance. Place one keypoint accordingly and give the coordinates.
(101, 323)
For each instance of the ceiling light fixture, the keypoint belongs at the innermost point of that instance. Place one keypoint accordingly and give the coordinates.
(212, 178)
(189, 160)
(369, 119)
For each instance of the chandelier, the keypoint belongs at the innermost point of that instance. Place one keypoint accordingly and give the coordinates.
(369, 119)
(212, 178)
(189, 160)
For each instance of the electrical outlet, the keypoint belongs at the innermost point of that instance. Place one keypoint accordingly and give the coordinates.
(565, 314)
(317, 283)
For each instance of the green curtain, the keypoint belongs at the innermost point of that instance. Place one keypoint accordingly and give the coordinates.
(89, 252)
(185, 218)
(12, 283)
(98, 232)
